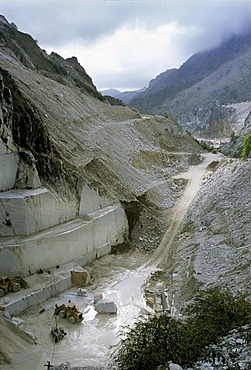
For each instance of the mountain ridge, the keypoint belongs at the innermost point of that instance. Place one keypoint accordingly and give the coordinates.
(125, 96)
(171, 90)
(57, 134)
(23, 48)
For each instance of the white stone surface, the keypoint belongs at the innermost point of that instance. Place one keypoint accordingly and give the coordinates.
(8, 167)
(174, 366)
(103, 250)
(105, 306)
(97, 297)
(92, 201)
(37, 297)
(78, 240)
(82, 292)
(25, 212)
(17, 321)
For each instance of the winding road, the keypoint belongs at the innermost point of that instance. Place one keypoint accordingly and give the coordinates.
(88, 344)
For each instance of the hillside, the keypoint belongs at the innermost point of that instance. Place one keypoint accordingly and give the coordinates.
(23, 48)
(82, 179)
(212, 247)
(201, 94)
(60, 129)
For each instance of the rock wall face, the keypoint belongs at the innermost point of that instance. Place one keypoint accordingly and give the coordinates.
(214, 245)
(74, 158)
(201, 94)
(8, 153)
(28, 211)
(44, 227)
(79, 240)
(8, 167)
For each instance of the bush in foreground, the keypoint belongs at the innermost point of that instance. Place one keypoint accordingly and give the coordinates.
(156, 340)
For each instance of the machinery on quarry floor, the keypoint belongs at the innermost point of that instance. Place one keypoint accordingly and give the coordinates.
(58, 333)
(11, 285)
(69, 311)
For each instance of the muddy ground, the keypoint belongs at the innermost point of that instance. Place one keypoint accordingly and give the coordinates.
(120, 277)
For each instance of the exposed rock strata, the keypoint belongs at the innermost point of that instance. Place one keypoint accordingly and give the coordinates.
(213, 246)
(83, 151)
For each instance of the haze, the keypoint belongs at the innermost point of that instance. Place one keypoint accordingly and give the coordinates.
(124, 44)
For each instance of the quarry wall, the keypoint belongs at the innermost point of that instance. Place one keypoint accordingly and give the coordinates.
(39, 230)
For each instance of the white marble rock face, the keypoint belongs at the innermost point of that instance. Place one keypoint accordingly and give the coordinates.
(8, 167)
(25, 212)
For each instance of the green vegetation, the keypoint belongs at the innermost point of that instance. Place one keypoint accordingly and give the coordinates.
(234, 137)
(113, 101)
(154, 341)
(205, 145)
(66, 71)
(246, 146)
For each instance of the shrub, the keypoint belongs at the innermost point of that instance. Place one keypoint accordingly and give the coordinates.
(205, 145)
(212, 315)
(154, 341)
(220, 310)
(150, 343)
(246, 146)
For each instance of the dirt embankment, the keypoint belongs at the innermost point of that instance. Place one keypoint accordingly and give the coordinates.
(193, 179)
(15, 344)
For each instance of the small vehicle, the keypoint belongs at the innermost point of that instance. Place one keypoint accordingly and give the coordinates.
(11, 285)
(70, 312)
(58, 333)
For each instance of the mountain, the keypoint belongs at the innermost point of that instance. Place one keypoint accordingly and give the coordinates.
(201, 94)
(79, 177)
(60, 133)
(125, 96)
(23, 48)
(111, 92)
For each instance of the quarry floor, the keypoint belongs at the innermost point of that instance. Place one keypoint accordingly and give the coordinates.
(119, 277)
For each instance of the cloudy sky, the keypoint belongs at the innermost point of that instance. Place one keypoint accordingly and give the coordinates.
(123, 44)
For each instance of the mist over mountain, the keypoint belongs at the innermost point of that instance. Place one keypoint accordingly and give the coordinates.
(82, 179)
(202, 93)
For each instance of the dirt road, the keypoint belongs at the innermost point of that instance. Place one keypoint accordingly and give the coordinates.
(194, 179)
(119, 278)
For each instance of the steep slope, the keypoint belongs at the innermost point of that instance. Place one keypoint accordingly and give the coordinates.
(23, 48)
(65, 138)
(16, 344)
(73, 139)
(212, 247)
(199, 93)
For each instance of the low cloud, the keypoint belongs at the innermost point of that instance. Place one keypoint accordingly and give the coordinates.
(124, 44)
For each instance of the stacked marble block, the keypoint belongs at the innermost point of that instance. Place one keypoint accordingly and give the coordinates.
(39, 230)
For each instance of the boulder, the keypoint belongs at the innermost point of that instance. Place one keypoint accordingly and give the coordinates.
(173, 366)
(82, 292)
(80, 278)
(105, 306)
(98, 297)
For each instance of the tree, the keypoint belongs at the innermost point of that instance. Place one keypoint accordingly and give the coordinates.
(246, 146)
(154, 341)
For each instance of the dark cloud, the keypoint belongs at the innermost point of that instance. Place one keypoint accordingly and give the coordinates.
(59, 23)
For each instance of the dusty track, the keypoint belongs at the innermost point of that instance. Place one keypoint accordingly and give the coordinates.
(118, 277)
(194, 179)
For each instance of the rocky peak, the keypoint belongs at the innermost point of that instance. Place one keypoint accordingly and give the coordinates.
(23, 48)
(3, 19)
